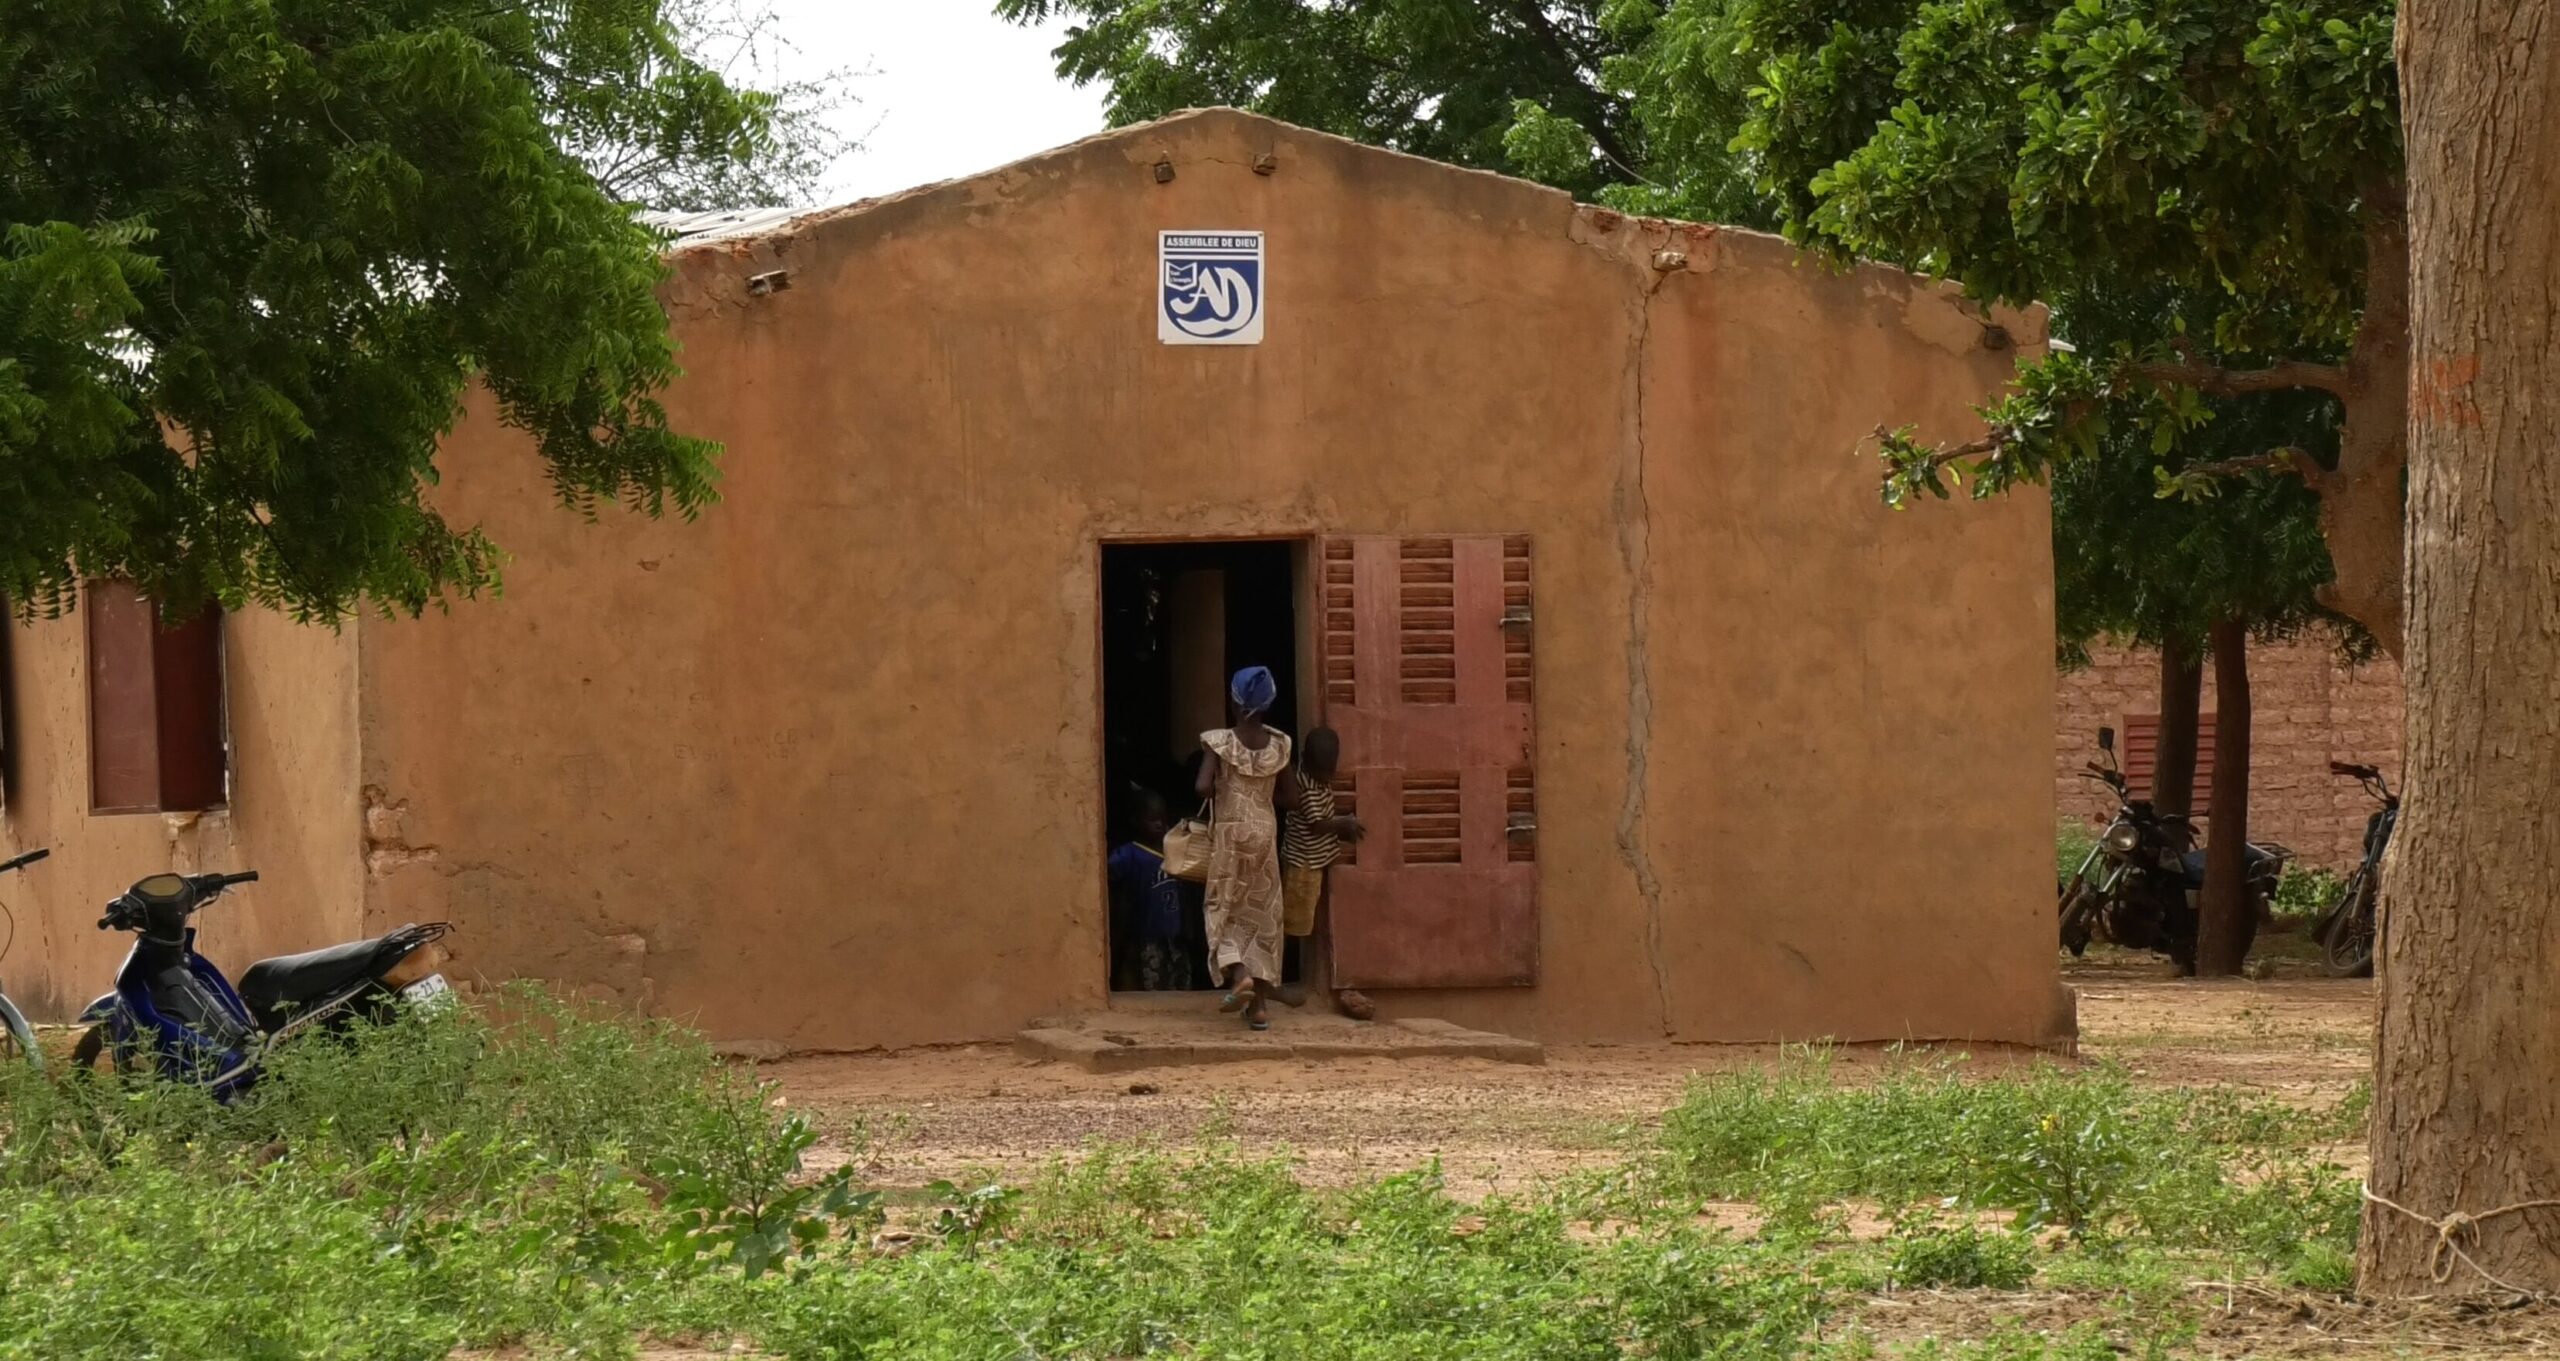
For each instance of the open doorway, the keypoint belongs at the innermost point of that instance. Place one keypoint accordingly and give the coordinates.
(1177, 620)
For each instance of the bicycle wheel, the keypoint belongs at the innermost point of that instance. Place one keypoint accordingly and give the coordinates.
(17, 1038)
(2348, 943)
(2074, 913)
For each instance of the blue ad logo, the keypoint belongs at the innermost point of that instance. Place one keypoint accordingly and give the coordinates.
(1209, 288)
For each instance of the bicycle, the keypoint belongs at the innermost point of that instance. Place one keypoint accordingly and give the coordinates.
(2346, 930)
(17, 1038)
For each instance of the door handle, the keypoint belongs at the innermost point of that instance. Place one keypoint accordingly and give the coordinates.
(1521, 825)
(1516, 619)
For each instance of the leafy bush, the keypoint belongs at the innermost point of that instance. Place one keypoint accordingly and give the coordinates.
(2306, 891)
(1961, 1256)
(2322, 1265)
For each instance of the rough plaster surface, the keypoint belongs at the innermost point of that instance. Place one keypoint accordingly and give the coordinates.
(822, 769)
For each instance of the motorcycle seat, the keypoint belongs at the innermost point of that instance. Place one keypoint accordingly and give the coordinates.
(274, 988)
(2191, 865)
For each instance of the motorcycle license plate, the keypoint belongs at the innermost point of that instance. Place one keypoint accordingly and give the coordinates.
(430, 992)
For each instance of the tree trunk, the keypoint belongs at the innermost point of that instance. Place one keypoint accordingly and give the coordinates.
(2362, 510)
(2466, 1114)
(2173, 760)
(2230, 922)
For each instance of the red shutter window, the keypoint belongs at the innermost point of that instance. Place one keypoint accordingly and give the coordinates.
(156, 740)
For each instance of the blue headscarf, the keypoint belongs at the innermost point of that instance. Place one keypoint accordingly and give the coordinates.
(1253, 689)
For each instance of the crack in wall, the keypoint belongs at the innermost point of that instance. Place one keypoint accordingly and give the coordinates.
(1634, 515)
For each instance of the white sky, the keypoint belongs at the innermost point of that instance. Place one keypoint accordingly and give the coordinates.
(952, 89)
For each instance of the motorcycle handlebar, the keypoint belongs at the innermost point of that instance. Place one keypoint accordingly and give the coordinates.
(2111, 779)
(19, 862)
(128, 912)
(2350, 768)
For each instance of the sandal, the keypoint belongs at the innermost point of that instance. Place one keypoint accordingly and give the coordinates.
(1255, 1018)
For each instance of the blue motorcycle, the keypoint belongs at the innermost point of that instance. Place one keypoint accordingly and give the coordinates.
(173, 1009)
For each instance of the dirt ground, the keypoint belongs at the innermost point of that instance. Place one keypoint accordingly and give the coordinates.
(981, 1111)
(954, 1113)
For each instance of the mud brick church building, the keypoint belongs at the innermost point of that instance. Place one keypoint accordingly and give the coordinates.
(1663, 726)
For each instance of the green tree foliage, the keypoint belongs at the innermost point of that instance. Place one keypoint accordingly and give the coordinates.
(2133, 564)
(256, 250)
(2191, 576)
(1447, 79)
(2244, 155)
(716, 121)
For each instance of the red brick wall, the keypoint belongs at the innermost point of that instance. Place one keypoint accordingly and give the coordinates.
(2309, 710)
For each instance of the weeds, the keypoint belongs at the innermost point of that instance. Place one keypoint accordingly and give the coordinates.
(440, 1182)
(1965, 1256)
(2087, 1153)
(2073, 839)
(2306, 891)
(536, 1174)
(1223, 1255)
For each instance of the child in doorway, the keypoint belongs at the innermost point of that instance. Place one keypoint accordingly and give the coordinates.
(1310, 841)
(1146, 905)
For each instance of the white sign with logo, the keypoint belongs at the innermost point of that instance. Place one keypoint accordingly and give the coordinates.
(1209, 288)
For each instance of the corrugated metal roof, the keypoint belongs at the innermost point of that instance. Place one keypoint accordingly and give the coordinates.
(693, 229)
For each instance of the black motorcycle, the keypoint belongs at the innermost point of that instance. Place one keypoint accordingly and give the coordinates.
(2148, 881)
(2346, 930)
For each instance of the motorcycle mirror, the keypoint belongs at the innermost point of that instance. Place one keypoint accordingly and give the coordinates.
(2106, 739)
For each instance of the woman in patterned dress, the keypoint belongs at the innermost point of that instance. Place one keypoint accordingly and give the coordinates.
(1240, 777)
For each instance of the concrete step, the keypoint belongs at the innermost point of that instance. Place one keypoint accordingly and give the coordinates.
(1119, 1042)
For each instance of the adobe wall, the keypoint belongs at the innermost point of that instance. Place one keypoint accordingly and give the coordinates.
(822, 769)
(293, 814)
(2306, 709)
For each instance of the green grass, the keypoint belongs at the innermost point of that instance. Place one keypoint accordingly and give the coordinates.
(544, 1176)
(2073, 839)
(1218, 1255)
(2228, 1177)
(437, 1183)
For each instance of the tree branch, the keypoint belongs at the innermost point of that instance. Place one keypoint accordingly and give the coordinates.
(2285, 460)
(1533, 17)
(1939, 458)
(2214, 380)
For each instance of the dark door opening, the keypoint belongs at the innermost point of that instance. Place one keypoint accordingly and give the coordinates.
(1177, 620)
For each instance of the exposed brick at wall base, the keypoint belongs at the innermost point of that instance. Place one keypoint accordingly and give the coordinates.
(2308, 710)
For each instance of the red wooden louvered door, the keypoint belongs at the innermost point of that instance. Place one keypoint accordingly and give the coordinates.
(1428, 677)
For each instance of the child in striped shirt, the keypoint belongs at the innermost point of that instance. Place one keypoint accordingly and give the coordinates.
(1311, 839)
